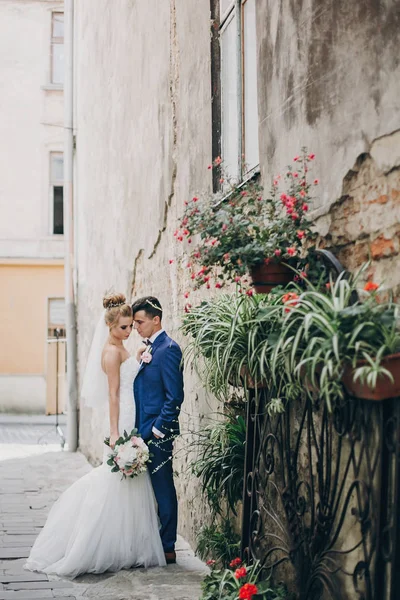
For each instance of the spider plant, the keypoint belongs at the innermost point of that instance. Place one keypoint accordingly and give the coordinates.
(323, 333)
(232, 338)
(220, 465)
(218, 541)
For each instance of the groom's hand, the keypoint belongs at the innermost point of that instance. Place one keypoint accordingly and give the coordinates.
(156, 436)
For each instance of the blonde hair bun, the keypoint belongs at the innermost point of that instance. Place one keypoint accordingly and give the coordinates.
(113, 301)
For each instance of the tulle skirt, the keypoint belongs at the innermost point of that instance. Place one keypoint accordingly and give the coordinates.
(101, 523)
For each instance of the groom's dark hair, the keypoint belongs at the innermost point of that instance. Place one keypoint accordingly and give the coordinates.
(149, 304)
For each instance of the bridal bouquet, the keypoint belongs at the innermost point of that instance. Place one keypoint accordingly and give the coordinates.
(129, 456)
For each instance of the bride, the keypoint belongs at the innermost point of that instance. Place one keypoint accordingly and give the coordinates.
(102, 522)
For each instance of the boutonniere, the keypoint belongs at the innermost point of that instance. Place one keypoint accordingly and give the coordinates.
(147, 356)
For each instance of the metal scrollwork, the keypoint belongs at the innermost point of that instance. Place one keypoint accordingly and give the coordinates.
(322, 495)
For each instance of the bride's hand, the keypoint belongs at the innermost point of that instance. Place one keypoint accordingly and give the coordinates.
(113, 439)
(140, 351)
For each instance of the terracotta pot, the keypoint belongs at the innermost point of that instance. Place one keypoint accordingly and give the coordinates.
(384, 387)
(265, 277)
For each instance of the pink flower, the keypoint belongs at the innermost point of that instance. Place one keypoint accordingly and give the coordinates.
(171, 260)
(218, 161)
(222, 180)
(295, 216)
(146, 357)
(243, 193)
(186, 294)
(189, 240)
(209, 167)
(277, 252)
(316, 181)
(295, 174)
(304, 208)
(226, 256)
(291, 251)
(300, 234)
(180, 238)
(311, 156)
(224, 226)
(195, 199)
(296, 158)
(187, 307)
(250, 292)
(303, 193)
(210, 563)
(237, 279)
(218, 285)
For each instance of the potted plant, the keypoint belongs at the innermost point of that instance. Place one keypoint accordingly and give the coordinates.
(232, 337)
(238, 232)
(240, 582)
(327, 339)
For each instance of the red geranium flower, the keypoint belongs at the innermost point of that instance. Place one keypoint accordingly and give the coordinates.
(241, 572)
(247, 591)
(371, 286)
(291, 251)
(236, 562)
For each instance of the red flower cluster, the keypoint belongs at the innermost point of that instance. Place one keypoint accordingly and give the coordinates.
(210, 563)
(241, 572)
(290, 298)
(236, 562)
(247, 591)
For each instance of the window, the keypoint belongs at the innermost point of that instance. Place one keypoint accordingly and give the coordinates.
(57, 191)
(239, 110)
(57, 48)
(56, 317)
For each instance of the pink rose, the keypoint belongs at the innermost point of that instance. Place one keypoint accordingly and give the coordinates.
(146, 357)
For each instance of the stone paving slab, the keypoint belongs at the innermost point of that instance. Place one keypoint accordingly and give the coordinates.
(31, 479)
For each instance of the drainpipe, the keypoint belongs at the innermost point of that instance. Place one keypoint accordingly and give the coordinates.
(72, 387)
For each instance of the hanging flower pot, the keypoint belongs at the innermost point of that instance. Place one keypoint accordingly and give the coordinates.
(267, 276)
(385, 388)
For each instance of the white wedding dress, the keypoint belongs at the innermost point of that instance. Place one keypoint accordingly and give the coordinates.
(102, 522)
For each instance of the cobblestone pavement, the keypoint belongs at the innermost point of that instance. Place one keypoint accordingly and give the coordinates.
(32, 476)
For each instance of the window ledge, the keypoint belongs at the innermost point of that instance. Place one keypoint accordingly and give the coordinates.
(50, 87)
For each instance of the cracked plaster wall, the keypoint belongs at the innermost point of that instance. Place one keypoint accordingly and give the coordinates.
(328, 78)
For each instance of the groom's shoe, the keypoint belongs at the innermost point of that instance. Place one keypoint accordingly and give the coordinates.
(170, 557)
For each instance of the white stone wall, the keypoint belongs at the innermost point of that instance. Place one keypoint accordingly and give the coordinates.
(143, 144)
(31, 126)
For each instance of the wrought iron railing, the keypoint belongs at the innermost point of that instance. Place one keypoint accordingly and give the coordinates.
(322, 495)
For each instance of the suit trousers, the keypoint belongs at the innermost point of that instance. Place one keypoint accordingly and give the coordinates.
(162, 478)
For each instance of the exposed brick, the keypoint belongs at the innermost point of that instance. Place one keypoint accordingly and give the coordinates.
(383, 199)
(382, 247)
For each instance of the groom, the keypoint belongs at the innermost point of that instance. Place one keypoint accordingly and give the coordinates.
(158, 391)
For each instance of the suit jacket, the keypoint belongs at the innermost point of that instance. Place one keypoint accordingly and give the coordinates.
(158, 389)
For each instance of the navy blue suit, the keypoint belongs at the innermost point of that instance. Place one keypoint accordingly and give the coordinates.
(158, 392)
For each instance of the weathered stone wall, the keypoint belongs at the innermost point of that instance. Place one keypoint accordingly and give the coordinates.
(328, 78)
(143, 146)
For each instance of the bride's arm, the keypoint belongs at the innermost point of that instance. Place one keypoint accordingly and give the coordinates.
(112, 363)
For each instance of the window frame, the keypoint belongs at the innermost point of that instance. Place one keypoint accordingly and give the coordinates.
(55, 40)
(53, 183)
(236, 7)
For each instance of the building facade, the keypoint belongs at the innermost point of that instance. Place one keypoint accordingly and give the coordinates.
(162, 88)
(31, 198)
